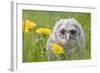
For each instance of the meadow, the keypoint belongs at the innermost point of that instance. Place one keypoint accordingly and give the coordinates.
(34, 44)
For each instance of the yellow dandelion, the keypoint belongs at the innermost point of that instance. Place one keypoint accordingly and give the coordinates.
(28, 25)
(46, 31)
(57, 49)
(27, 29)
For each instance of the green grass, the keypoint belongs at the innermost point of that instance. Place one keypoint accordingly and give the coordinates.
(32, 46)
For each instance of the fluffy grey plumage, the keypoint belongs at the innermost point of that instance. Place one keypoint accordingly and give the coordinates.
(69, 34)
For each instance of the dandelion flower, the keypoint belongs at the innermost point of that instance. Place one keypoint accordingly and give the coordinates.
(46, 31)
(57, 49)
(28, 25)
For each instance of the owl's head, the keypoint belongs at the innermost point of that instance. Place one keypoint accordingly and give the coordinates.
(69, 32)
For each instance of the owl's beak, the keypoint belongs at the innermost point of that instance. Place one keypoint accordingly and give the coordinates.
(67, 36)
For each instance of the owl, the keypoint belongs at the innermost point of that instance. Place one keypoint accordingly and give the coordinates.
(69, 34)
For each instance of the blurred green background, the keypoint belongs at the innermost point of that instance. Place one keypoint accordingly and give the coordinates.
(32, 50)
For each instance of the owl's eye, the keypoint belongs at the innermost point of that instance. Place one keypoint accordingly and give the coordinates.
(62, 31)
(72, 32)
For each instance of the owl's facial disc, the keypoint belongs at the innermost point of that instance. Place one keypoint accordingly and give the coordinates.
(67, 34)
